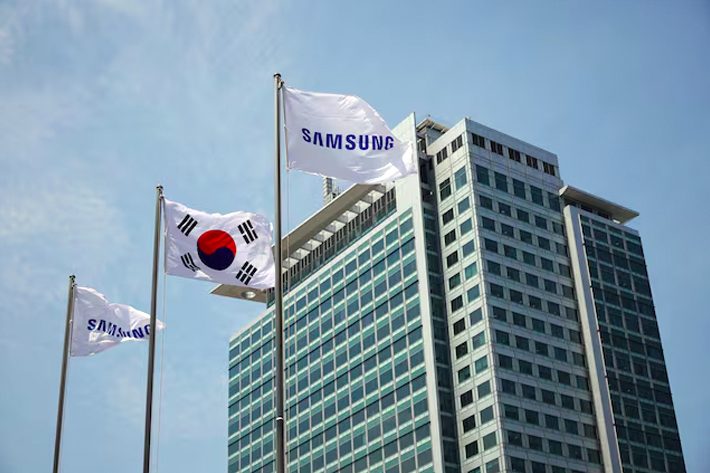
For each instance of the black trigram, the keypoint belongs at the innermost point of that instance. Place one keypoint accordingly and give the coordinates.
(189, 262)
(248, 231)
(246, 273)
(187, 224)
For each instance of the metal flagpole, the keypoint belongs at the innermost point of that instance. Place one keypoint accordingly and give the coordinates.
(151, 347)
(63, 380)
(278, 288)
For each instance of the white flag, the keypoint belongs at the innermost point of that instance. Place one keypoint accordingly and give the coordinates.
(342, 136)
(232, 249)
(98, 325)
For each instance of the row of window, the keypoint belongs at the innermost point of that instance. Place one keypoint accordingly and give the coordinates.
(354, 281)
(528, 258)
(368, 424)
(501, 182)
(529, 279)
(521, 215)
(526, 237)
(496, 290)
(542, 349)
(548, 397)
(639, 456)
(517, 465)
(648, 436)
(546, 373)
(626, 385)
(497, 148)
(601, 237)
(385, 327)
(629, 321)
(554, 447)
(322, 369)
(349, 269)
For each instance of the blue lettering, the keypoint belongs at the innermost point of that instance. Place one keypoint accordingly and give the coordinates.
(350, 139)
(138, 333)
(389, 142)
(367, 142)
(147, 329)
(92, 324)
(306, 135)
(376, 142)
(317, 138)
(102, 326)
(333, 141)
(111, 329)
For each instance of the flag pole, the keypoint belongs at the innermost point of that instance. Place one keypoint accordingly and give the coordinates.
(63, 379)
(151, 346)
(278, 287)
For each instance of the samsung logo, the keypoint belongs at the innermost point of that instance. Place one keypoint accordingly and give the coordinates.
(349, 142)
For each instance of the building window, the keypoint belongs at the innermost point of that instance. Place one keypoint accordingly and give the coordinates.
(478, 141)
(464, 374)
(469, 423)
(452, 259)
(535, 443)
(447, 216)
(488, 223)
(507, 386)
(528, 258)
(512, 273)
(444, 190)
(501, 181)
(522, 215)
(497, 291)
(466, 226)
(525, 367)
(465, 204)
(450, 237)
(484, 389)
(530, 161)
(505, 209)
(548, 168)
(540, 222)
(471, 270)
(497, 148)
(489, 441)
(466, 398)
(536, 195)
(460, 178)
(490, 245)
(505, 362)
(471, 449)
(481, 364)
(517, 465)
(457, 143)
(482, 175)
(513, 154)
(459, 326)
(532, 417)
(454, 280)
(442, 155)
(529, 393)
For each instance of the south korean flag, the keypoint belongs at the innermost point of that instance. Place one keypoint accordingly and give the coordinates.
(232, 249)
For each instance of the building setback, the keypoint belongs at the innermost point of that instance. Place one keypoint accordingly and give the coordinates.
(479, 317)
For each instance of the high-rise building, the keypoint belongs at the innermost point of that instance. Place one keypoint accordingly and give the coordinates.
(481, 317)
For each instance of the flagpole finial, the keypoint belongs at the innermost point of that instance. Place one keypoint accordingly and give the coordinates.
(72, 278)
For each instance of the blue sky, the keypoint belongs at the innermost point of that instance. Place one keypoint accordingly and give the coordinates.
(101, 100)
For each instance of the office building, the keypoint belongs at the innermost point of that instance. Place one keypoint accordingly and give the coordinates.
(480, 317)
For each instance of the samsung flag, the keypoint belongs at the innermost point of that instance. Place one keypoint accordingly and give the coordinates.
(98, 325)
(341, 136)
(232, 249)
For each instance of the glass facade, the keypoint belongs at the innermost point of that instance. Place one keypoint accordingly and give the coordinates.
(640, 392)
(355, 379)
(443, 325)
